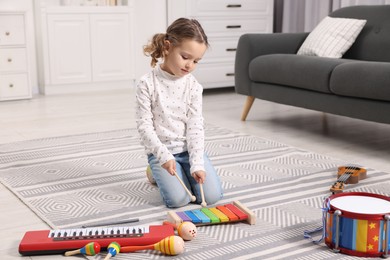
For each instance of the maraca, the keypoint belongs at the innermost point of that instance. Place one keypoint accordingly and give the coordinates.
(186, 229)
(113, 249)
(91, 248)
(172, 245)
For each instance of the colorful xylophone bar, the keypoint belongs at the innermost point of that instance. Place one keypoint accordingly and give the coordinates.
(227, 213)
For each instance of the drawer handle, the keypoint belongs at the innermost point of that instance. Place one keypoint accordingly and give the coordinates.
(7, 33)
(231, 49)
(233, 26)
(229, 74)
(9, 60)
(11, 85)
(233, 6)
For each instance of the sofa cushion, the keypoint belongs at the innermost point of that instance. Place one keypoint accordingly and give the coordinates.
(308, 72)
(332, 37)
(363, 79)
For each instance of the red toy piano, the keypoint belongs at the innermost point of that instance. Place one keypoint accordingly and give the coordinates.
(59, 241)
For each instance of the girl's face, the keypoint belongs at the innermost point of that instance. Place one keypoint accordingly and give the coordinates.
(181, 60)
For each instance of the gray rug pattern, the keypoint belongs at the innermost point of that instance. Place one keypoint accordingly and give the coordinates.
(71, 181)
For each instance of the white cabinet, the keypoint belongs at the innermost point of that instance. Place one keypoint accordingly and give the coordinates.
(15, 75)
(85, 47)
(224, 21)
(110, 32)
(69, 48)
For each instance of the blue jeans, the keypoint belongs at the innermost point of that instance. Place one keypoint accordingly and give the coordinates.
(173, 193)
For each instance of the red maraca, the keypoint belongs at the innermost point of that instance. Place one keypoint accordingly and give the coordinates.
(186, 230)
(172, 245)
(91, 248)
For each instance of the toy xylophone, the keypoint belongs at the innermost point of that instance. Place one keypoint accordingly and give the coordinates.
(59, 241)
(215, 215)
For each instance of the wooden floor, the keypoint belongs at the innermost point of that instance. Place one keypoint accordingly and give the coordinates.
(361, 142)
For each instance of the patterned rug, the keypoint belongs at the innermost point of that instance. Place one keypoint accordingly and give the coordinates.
(78, 180)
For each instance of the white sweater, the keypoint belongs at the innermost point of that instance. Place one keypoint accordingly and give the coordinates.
(169, 116)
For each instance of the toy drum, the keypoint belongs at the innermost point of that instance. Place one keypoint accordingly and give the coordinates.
(357, 223)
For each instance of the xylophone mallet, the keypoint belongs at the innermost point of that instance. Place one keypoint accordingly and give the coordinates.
(172, 245)
(112, 250)
(204, 204)
(193, 198)
(92, 248)
(186, 230)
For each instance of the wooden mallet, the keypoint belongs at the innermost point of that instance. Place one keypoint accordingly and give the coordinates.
(193, 198)
(204, 204)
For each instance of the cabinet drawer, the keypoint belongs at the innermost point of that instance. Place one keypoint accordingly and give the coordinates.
(230, 7)
(12, 29)
(235, 27)
(221, 50)
(215, 75)
(14, 86)
(13, 60)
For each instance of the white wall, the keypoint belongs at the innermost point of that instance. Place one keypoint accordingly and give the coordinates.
(151, 18)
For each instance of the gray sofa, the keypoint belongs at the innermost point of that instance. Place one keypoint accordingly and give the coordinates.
(357, 85)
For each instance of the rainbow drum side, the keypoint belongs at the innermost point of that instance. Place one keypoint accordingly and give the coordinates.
(357, 224)
(232, 212)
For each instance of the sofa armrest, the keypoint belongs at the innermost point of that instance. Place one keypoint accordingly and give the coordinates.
(252, 45)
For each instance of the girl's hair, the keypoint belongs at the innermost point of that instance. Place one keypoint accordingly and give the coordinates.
(178, 31)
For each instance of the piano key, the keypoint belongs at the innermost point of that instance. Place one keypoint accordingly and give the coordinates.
(98, 231)
(73, 232)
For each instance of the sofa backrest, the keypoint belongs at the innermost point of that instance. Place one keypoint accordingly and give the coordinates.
(373, 42)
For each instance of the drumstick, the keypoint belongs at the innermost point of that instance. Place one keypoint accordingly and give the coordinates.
(204, 204)
(193, 198)
(172, 245)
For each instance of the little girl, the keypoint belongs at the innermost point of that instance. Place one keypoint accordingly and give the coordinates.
(169, 116)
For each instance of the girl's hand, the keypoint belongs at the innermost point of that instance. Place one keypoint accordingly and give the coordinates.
(199, 176)
(170, 166)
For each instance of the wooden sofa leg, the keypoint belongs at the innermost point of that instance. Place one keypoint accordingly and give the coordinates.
(247, 106)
